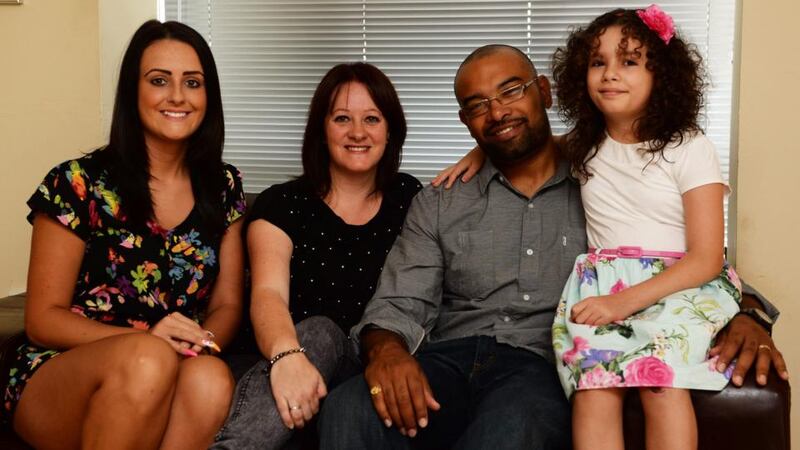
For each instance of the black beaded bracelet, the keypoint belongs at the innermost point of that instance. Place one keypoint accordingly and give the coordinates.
(280, 355)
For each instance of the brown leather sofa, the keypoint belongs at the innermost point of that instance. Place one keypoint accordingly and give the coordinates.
(746, 418)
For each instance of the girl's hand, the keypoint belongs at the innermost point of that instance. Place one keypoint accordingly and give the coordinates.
(297, 387)
(601, 310)
(182, 333)
(466, 168)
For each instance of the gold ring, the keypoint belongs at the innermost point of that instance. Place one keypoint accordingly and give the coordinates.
(375, 390)
(765, 347)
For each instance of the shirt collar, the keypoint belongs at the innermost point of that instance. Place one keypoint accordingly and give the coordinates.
(489, 172)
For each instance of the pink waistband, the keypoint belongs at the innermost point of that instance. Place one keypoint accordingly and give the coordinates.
(625, 251)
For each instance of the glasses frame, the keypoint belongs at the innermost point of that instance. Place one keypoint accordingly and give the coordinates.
(488, 101)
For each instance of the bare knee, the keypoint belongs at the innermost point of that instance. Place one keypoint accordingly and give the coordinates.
(146, 367)
(205, 384)
(661, 395)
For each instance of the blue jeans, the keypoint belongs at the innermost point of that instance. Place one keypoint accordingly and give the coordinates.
(493, 396)
(254, 421)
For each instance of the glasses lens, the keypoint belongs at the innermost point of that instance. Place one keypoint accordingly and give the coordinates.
(475, 110)
(511, 94)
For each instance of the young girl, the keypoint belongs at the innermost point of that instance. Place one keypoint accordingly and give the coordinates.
(653, 193)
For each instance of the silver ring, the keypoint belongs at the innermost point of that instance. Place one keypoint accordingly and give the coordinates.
(294, 408)
(765, 347)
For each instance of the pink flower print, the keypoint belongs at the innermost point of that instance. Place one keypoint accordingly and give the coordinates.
(618, 287)
(648, 371)
(579, 344)
(734, 277)
(592, 258)
(94, 218)
(599, 377)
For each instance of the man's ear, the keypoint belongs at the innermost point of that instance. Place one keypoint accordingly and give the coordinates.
(544, 90)
(462, 118)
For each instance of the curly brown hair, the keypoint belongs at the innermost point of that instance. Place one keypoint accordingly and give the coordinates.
(674, 106)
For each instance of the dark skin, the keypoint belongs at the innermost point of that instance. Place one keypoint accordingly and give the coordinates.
(406, 396)
(744, 338)
(401, 394)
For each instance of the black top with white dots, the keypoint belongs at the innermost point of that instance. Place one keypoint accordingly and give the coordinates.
(334, 266)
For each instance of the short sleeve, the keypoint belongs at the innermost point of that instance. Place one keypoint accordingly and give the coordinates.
(697, 164)
(408, 187)
(233, 197)
(63, 196)
(273, 205)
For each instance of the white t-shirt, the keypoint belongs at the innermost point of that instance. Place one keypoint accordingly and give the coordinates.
(630, 202)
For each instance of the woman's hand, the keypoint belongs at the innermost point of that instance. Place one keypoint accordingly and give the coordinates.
(466, 168)
(183, 334)
(297, 387)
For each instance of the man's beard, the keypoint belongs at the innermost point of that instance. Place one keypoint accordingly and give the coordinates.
(527, 145)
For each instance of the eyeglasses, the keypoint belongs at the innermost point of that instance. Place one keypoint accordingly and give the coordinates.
(505, 97)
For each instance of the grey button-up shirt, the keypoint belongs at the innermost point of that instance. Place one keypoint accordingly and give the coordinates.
(481, 259)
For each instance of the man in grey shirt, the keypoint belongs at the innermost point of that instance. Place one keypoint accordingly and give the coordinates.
(470, 287)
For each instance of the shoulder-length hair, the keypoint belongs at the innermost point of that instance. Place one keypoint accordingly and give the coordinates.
(675, 101)
(316, 158)
(126, 156)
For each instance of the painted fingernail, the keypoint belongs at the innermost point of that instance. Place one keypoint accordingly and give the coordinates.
(737, 380)
(388, 423)
(785, 375)
(211, 344)
(423, 422)
(412, 432)
(403, 431)
(721, 367)
(762, 379)
(188, 352)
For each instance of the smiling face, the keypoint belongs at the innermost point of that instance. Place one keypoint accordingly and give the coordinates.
(512, 132)
(355, 130)
(172, 94)
(618, 80)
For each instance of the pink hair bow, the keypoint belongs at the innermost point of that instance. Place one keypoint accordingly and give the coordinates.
(658, 21)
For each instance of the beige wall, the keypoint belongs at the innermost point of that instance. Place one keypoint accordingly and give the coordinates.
(50, 109)
(768, 186)
(60, 60)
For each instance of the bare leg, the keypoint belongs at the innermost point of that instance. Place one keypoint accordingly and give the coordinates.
(670, 423)
(597, 419)
(112, 393)
(200, 405)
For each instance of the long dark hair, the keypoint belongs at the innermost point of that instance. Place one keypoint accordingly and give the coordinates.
(125, 155)
(675, 101)
(316, 159)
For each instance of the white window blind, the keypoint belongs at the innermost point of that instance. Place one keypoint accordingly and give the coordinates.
(271, 54)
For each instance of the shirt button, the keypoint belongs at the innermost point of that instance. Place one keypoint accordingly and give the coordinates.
(526, 297)
(506, 319)
(529, 252)
(530, 205)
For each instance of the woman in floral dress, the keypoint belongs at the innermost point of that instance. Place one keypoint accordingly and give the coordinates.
(136, 267)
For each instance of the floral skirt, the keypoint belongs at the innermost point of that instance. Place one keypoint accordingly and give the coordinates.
(663, 345)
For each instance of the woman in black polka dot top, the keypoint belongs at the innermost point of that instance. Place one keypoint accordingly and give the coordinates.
(317, 245)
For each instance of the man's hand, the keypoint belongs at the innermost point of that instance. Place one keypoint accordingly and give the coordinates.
(399, 389)
(748, 341)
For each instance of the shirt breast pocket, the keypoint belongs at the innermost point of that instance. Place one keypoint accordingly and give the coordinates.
(470, 271)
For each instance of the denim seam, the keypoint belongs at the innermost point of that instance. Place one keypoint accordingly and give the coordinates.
(242, 400)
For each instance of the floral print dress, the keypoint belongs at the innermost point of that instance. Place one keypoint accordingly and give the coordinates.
(664, 345)
(130, 276)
